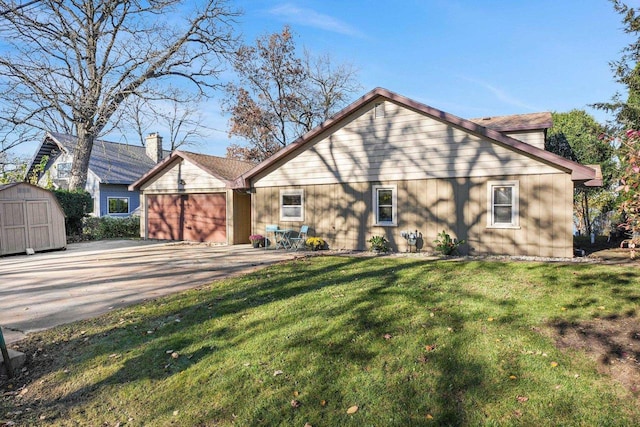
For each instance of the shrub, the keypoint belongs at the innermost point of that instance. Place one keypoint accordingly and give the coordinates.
(446, 245)
(108, 227)
(76, 206)
(379, 244)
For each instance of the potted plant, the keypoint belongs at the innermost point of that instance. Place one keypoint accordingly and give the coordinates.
(257, 240)
(379, 244)
(315, 243)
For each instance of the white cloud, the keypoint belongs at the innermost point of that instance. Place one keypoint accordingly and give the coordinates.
(311, 18)
(502, 95)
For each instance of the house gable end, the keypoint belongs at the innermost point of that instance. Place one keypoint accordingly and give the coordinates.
(256, 175)
(387, 141)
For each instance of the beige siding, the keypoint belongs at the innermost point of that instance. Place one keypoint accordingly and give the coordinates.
(195, 180)
(535, 138)
(402, 145)
(342, 214)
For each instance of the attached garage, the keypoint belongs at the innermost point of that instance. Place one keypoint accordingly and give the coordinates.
(30, 218)
(187, 197)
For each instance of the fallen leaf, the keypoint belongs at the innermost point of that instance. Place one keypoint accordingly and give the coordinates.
(490, 319)
(429, 416)
(307, 425)
(276, 373)
(323, 403)
(175, 355)
(512, 377)
(387, 336)
(295, 403)
(522, 398)
(352, 410)
(554, 364)
(430, 347)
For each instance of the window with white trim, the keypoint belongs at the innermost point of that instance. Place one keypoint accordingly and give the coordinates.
(117, 205)
(502, 204)
(385, 204)
(291, 205)
(64, 170)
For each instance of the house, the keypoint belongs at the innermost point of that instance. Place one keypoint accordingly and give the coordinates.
(112, 168)
(388, 164)
(189, 196)
(31, 219)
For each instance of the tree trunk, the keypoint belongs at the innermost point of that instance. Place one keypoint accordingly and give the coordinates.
(585, 208)
(80, 165)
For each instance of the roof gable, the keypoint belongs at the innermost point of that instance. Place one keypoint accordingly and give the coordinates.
(111, 162)
(224, 169)
(579, 173)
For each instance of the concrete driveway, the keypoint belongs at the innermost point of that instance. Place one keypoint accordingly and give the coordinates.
(44, 290)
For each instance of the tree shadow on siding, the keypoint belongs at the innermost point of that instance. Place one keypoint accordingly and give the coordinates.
(459, 205)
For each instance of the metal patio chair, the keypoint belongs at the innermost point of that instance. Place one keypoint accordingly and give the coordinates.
(299, 241)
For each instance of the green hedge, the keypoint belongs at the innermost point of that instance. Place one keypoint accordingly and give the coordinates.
(76, 206)
(108, 227)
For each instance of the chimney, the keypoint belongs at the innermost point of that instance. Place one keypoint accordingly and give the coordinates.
(154, 146)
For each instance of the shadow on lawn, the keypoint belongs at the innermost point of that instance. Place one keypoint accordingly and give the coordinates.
(371, 315)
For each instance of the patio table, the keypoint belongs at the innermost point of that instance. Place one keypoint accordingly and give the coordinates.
(281, 237)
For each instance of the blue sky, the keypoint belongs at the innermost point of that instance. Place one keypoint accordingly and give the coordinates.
(467, 57)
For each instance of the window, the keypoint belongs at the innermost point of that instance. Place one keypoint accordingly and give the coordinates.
(385, 204)
(292, 205)
(118, 205)
(64, 170)
(503, 204)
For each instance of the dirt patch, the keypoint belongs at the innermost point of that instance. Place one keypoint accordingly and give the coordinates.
(614, 343)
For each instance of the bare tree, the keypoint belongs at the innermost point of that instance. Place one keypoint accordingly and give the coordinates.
(280, 96)
(181, 119)
(73, 64)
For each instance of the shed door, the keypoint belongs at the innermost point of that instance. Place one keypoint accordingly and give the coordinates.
(193, 217)
(25, 224)
(13, 225)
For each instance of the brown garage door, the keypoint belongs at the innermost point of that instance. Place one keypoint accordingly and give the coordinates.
(193, 217)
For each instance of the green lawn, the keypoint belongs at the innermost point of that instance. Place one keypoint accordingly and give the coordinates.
(407, 341)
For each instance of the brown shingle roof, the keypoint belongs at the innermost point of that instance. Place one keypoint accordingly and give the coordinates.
(516, 122)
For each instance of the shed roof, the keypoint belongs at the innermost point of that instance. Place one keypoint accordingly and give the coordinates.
(580, 174)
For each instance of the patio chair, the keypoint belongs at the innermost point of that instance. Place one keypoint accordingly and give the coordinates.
(299, 241)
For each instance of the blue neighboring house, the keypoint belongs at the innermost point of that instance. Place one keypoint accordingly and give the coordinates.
(112, 168)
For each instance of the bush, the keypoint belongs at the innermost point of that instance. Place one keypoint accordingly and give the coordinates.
(446, 245)
(108, 227)
(76, 205)
(379, 244)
